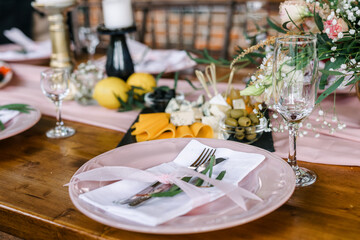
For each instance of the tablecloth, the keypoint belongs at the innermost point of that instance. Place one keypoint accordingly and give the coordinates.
(339, 148)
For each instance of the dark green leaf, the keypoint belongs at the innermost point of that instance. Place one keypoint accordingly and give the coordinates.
(319, 22)
(158, 77)
(331, 72)
(328, 65)
(328, 91)
(284, 25)
(191, 84)
(2, 126)
(274, 26)
(221, 175)
(176, 78)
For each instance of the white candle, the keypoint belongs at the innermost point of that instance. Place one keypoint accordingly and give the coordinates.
(117, 13)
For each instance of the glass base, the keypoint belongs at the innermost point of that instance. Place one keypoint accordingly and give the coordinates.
(62, 132)
(304, 177)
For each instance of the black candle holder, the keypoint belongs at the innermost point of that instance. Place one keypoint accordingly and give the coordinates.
(119, 62)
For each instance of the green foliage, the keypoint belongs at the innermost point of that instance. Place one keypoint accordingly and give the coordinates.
(275, 26)
(23, 108)
(329, 90)
(174, 190)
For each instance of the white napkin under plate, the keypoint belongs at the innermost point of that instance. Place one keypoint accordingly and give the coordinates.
(6, 115)
(159, 210)
(33, 50)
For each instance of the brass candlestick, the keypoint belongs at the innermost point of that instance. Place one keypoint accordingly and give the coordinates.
(61, 56)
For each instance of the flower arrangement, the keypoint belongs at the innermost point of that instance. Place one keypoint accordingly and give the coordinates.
(336, 23)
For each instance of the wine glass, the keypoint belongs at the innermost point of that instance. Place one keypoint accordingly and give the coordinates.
(295, 84)
(55, 85)
(89, 38)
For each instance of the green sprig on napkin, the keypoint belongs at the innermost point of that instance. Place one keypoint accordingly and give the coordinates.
(174, 190)
(23, 108)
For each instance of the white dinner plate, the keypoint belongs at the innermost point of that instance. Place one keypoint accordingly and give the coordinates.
(273, 180)
(20, 123)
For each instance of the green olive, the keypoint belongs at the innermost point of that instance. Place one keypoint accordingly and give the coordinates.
(231, 122)
(237, 113)
(254, 118)
(240, 130)
(251, 130)
(228, 113)
(239, 136)
(244, 121)
(251, 137)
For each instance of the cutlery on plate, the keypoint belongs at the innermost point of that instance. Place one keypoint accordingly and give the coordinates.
(156, 187)
(144, 195)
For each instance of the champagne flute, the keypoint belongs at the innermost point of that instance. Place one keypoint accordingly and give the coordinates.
(55, 85)
(295, 84)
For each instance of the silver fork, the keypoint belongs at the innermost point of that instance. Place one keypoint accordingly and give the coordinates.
(157, 187)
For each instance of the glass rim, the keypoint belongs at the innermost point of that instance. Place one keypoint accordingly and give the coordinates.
(306, 39)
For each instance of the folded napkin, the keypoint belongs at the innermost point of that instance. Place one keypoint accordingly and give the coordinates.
(156, 61)
(32, 50)
(159, 210)
(6, 115)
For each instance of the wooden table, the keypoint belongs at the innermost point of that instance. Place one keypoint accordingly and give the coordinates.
(35, 205)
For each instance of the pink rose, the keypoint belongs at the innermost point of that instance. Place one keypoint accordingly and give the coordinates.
(333, 30)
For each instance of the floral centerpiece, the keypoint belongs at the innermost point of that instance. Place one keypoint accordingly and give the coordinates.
(336, 23)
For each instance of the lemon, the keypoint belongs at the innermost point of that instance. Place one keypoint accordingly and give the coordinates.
(144, 80)
(106, 90)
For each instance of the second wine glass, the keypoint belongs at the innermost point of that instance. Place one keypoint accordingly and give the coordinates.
(55, 85)
(295, 84)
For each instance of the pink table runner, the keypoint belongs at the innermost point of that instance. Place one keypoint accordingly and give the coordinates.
(340, 148)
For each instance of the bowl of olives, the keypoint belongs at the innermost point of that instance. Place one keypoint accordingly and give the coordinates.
(239, 125)
(160, 97)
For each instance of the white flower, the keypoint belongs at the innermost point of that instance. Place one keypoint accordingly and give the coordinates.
(340, 35)
(333, 48)
(343, 66)
(352, 31)
(353, 61)
(321, 112)
(332, 59)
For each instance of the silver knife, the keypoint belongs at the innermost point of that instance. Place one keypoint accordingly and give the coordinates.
(157, 187)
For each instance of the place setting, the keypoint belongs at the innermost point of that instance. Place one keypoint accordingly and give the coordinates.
(255, 182)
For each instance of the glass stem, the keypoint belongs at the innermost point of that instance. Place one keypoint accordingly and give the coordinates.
(293, 133)
(59, 122)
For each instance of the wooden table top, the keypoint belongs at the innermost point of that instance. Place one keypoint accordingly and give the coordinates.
(35, 205)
